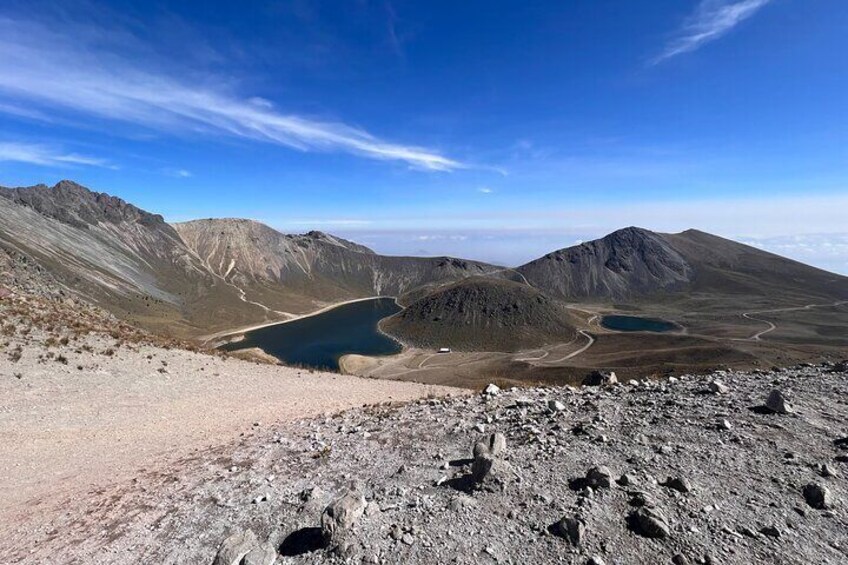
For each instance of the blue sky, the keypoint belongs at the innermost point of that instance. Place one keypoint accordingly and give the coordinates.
(495, 130)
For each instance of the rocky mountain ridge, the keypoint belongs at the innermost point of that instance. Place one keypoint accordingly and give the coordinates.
(634, 263)
(196, 277)
(204, 276)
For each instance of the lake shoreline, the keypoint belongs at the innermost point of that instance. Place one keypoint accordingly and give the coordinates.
(320, 339)
(221, 337)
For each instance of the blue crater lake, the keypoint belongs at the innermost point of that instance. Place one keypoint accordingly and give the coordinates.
(319, 341)
(637, 324)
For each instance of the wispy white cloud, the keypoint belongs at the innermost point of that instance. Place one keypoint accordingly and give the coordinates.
(178, 173)
(711, 20)
(42, 68)
(485, 190)
(47, 156)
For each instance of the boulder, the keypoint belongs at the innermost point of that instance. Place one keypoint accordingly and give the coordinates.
(235, 547)
(651, 522)
(599, 477)
(572, 529)
(818, 496)
(777, 403)
(679, 484)
(718, 387)
(341, 515)
(492, 390)
(265, 554)
(494, 445)
(482, 466)
(555, 406)
(600, 378)
(486, 457)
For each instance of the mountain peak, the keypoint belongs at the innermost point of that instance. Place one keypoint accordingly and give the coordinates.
(78, 206)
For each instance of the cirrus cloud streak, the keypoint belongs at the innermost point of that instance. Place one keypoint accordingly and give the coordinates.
(41, 69)
(47, 156)
(711, 20)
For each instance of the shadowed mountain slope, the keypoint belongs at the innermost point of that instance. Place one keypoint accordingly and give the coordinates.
(634, 264)
(483, 314)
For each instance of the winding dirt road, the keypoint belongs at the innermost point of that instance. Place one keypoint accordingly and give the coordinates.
(772, 326)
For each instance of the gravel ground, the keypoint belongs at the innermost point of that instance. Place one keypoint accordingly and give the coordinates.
(80, 417)
(417, 497)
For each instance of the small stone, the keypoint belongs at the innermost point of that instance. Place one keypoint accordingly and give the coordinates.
(725, 425)
(777, 403)
(571, 529)
(680, 484)
(770, 531)
(746, 531)
(626, 480)
(599, 477)
(265, 554)
(718, 387)
(651, 523)
(235, 547)
(481, 428)
(826, 470)
(680, 559)
(407, 539)
(461, 502)
(595, 560)
(492, 390)
(555, 406)
(818, 496)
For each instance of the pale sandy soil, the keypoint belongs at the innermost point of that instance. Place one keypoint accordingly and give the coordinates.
(70, 429)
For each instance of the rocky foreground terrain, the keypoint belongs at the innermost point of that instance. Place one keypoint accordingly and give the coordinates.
(696, 469)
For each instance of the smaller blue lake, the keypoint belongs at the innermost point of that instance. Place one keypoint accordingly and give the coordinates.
(319, 341)
(637, 324)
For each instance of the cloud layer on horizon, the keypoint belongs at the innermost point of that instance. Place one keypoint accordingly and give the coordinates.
(711, 20)
(43, 70)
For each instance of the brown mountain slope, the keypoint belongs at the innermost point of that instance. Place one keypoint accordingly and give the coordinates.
(198, 277)
(124, 259)
(265, 263)
(637, 264)
(483, 314)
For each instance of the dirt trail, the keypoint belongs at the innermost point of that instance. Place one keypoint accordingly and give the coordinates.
(773, 326)
(98, 419)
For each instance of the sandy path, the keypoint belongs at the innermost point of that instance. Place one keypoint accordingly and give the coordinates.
(66, 431)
